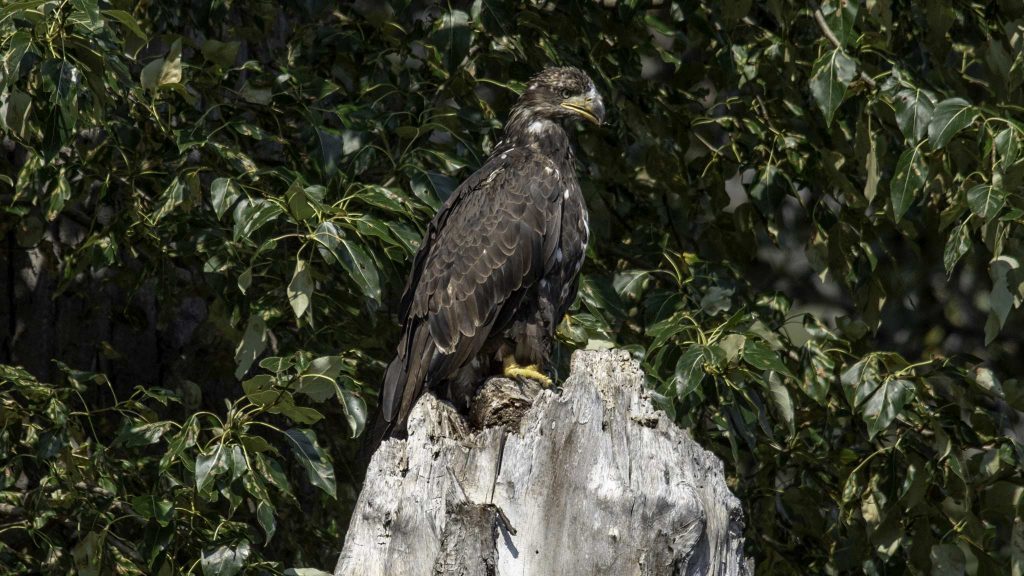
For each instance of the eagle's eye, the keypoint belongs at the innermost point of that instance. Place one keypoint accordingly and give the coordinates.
(566, 92)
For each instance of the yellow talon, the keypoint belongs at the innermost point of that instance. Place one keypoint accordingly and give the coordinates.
(514, 370)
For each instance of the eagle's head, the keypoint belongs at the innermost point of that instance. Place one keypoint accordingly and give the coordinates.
(562, 94)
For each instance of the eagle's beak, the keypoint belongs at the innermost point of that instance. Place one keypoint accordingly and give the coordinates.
(588, 105)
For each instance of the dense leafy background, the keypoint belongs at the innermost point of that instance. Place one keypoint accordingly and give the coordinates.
(808, 228)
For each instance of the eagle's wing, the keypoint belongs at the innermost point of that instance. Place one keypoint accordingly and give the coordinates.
(488, 244)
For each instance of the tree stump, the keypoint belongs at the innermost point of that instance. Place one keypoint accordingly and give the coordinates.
(589, 481)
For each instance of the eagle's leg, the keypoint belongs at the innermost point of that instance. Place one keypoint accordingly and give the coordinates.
(512, 369)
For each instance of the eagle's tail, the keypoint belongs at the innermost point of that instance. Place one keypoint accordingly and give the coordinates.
(402, 385)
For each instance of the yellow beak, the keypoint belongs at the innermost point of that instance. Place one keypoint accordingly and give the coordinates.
(589, 106)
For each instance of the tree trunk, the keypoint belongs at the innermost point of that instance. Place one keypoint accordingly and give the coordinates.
(589, 481)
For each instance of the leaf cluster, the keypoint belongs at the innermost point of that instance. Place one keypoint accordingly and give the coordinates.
(806, 222)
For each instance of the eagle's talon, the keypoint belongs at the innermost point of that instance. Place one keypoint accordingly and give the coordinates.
(514, 371)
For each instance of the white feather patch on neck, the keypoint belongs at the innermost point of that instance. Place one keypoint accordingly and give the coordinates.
(538, 126)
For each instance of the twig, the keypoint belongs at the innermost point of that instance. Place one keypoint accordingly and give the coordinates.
(823, 25)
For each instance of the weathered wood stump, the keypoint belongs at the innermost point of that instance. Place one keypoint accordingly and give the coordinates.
(589, 481)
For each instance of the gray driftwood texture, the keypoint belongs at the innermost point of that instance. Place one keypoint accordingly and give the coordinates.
(591, 481)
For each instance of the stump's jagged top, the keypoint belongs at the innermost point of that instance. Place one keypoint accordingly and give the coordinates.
(593, 480)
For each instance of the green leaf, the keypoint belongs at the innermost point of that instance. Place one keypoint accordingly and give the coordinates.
(355, 412)
(223, 194)
(841, 16)
(150, 507)
(1007, 147)
(172, 197)
(128, 21)
(689, 371)
(162, 71)
(1001, 298)
(957, 245)
(818, 372)
(245, 280)
(760, 356)
(251, 215)
(225, 560)
(253, 343)
(832, 73)
(297, 414)
(913, 113)
(16, 46)
(277, 363)
(733, 10)
(950, 116)
(298, 202)
(265, 516)
(328, 236)
(985, 200)
(360, 267)
(782, 401)
(882, 407)
(14, 113)
(258, 383)
(209, 466)
(1017, 548)
(313, 459)
(223, 53)
(256, 95)
(143, 434)
(88, 555)
(871, 167)
(911, 174)
(180, 442)
(300, 289)
(317, 381)
(947, 560)
(272, 471)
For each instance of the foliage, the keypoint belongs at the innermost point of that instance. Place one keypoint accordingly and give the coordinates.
(808, 227)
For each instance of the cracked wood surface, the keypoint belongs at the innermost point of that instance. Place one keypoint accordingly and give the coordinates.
(590, 481)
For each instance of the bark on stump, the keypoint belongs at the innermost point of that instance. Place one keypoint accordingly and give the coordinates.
(589, 481)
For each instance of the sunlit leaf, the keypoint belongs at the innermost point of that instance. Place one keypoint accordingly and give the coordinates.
(128, 21)
(886, 404)
(143, 434)
(907, 182)
(265, 516)
(162, 71)
(209, 465)
(689, 371)
(986, 200)
(300, 289)
(760, 356)
(225, 560)
(150, 506)
(913, 113)
(360, 267)
(253, 343)
(949, 117)
(223, 194)
(832, 73)
(1007, 145)
(355, 412)
(841, 16)
(958, 243)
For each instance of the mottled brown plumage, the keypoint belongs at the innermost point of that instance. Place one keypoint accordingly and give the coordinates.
(499, 264)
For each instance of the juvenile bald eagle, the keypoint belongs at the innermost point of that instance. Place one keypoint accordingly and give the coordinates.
(499, 264)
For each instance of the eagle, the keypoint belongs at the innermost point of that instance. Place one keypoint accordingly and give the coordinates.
(499, 264)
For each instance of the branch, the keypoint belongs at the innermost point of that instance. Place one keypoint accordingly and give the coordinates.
(819, 17)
